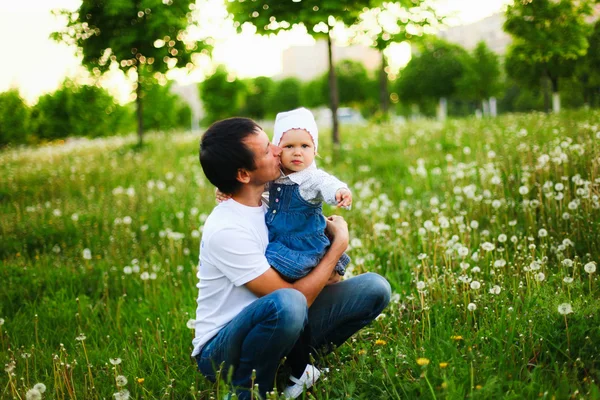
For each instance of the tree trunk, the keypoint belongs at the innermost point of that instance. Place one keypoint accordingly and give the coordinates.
(333, 92)
(140, 113)
(442, 110)
(545, 91)
(555, 95)
(493, 107)
(384, 97)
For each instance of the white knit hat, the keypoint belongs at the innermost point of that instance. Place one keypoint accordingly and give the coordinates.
(300, 118)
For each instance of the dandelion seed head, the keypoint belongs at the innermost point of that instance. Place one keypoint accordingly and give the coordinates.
(40, 387)
(81, 337)
(191, 324)
(565, 308)
(87, 254)
(590, 267)
(540, 276)
(495, 289)
(115, 361)
(475, 285)
(568, 279)
(542, 233)
(472, 307)
(33, 394)
(121, 380)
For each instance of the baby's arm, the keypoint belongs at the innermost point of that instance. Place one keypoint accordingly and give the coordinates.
(333, 191)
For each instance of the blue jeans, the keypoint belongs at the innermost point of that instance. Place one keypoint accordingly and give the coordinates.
(270, 328)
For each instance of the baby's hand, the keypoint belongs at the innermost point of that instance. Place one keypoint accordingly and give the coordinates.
(344, 198)
(221, 197)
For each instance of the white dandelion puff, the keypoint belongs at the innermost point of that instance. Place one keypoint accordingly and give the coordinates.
(87, 254)
(33, 394)
(590, 267)
(115, 361)
(40, 387)
(475, 285)
(495, 289)
(564, 309)
(472, 307)
(121, 380)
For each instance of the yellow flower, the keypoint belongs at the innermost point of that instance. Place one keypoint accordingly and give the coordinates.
(456, 337)
(444, 385)
(362, 351)
(380, 342)
(478, 387)
(443, 364)
(423, 361)
(140, 380)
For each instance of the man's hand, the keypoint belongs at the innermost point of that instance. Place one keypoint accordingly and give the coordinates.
(343, 197)
(334, 278)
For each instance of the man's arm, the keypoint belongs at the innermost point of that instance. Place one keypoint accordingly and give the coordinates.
(312, 284)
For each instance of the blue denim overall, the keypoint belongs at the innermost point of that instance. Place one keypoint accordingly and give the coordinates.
(297, 239)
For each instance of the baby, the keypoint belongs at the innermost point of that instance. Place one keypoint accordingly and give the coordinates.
(296, 224)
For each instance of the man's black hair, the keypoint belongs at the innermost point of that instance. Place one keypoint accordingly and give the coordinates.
(223, 152)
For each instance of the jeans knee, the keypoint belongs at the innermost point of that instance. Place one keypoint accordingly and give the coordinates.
(292, 310)
(378, 287)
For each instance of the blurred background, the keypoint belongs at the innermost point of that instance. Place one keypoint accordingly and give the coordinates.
(370, 61)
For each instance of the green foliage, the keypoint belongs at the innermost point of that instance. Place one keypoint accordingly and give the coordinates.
(433, 72)
(164, 110)
(272, 17)
(286, 95)
(221, 95)
(314, 92)
(75, 110)
(353, 81)
(257, 100)
(317, 16)
(14, 118)
(548, 36)
(481, 77)
(588, 69)
(146, 37)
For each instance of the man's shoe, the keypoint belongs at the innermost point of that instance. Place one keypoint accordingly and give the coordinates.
(308, 378)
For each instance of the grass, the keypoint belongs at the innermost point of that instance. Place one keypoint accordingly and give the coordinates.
(483, 227)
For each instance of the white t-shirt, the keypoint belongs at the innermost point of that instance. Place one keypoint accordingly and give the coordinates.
(232, 253)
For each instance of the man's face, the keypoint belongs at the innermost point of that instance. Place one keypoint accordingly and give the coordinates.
(266, 157)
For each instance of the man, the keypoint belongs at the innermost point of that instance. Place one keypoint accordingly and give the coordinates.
(248, 317)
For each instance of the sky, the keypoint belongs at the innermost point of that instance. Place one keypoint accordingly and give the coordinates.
(35, 64)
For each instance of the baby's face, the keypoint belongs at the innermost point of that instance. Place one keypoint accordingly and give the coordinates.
(298, 150)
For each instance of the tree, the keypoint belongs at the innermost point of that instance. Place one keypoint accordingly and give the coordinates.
(221, 95)
(257, 92)
(169, 111)
(144, 38)
(78, 110)
(548, 37)
(433, 73)
(395, 22)
(481, 79)
(319, 18)
(286, 95)
(14, 118)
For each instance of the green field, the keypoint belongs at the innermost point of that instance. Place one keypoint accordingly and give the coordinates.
(488, 230)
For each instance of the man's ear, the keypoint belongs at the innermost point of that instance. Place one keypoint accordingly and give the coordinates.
(243, 175)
